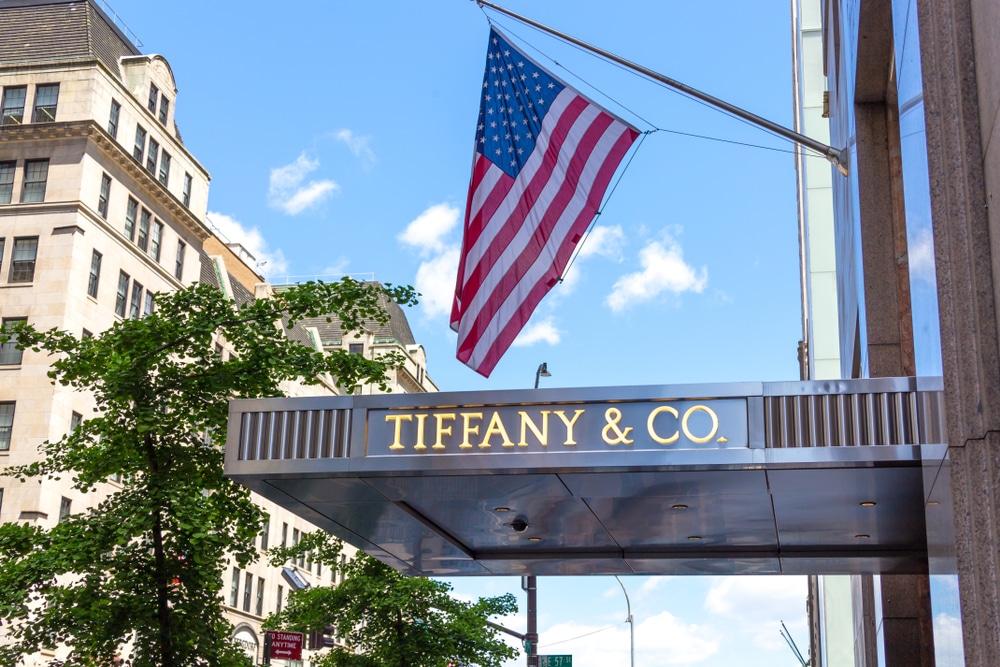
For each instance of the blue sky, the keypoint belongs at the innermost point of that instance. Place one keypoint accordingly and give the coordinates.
(339, 136)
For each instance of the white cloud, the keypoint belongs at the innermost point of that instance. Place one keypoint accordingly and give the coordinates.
(538, 332)
(287, 193)
(662, 640)
(921, 255)
(948, 642)
(602, 241)
(429, 231)
(358, 146)
(430, 234)
(663, 270)
(436, 282)
(773, 599)
(270, 262)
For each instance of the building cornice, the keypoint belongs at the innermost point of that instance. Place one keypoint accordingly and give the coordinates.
(93, 132)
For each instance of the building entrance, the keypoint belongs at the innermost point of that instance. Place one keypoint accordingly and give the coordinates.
(752, 478)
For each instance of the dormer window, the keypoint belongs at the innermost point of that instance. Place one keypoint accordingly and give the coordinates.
(164, 109)
(154, 96)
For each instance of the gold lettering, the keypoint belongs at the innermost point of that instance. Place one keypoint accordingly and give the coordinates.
(612, 416)
(652, 431)
(705, 409)
(468, 429)
(526, 423)
(496, 427)
(396, 444)
(420, 446)
(441, 428)
(569, 425)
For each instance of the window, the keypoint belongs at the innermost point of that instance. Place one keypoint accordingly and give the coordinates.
(164, 109)
(258, 608)
(151, 155)
(36, 172)
(122, 296)
(9, 354)
(95, 274)
(86, 333)
(154, 94)
(154, 240)
(22, 264)
(75, 420)
(102, 199)
(6, 424)
(356, 348)
(143, 240)
(234, 589)
(277, 605)
(247, 592)
(186, 194)
(319, 569)
(130, 213)
(179, 263)
(264, 531)
(165, 168)
(343, 566)
(150, 304)
(6, 181)
(116, 110)
(46, 99)
(12, 107)
(284, 534)
(136, 303)
(140, 144)
(1, 499)
(65, 508)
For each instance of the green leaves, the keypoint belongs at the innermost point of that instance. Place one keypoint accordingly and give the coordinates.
(143, 568)
(390, 620)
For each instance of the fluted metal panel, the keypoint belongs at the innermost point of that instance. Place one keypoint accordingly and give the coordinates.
(292, 434)
(853, 420)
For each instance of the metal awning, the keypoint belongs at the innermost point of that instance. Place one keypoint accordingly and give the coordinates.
(749, 478)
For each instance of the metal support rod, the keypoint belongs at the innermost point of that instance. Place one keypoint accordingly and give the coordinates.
(532, 634)
(630, 621)
(838, 157)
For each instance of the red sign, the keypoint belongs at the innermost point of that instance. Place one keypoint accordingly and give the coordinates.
(285, 645)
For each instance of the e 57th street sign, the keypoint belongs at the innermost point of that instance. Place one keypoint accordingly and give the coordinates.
(285, 645)
(555, 661)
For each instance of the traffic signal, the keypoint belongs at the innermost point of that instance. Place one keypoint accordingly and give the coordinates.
(319, 639)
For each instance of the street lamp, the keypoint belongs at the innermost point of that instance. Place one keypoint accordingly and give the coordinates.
(529, 582)
(629, 620)
(542, 372)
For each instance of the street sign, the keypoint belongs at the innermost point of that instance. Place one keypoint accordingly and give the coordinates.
(555, 661)
(285, 645)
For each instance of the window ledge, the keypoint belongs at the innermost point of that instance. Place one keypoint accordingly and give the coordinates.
(15, 285)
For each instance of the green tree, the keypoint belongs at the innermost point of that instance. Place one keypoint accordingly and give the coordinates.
(144, 568)
(388, 619)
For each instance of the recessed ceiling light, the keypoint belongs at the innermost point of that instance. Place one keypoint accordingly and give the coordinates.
(863, 537)
(501, 509)
(679, 507)
(534, 539)
(868, 503)
(932, 503)
(694, 538)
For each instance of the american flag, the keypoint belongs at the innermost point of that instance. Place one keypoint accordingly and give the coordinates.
(544, 158)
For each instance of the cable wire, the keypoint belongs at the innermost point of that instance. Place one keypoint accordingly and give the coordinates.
(563, 641)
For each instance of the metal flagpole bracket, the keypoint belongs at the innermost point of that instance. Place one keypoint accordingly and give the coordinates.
(839, 157)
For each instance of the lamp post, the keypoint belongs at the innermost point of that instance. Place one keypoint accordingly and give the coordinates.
(630, 621)
(542, 372)
(529, 582)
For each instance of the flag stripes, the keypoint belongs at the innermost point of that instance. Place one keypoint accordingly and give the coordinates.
(521, 230)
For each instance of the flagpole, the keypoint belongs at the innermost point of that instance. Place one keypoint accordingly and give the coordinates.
(840, 158)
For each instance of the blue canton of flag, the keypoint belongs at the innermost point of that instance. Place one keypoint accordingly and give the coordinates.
(517, 94)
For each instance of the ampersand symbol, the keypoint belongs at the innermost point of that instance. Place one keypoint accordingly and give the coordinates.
(613, 416)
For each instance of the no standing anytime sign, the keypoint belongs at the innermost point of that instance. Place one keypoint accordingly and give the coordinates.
(285, 645)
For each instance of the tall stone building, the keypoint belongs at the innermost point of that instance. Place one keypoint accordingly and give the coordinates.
(913, 92)
(101, 207)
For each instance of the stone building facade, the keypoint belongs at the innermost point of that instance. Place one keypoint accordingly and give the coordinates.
(101, 207)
